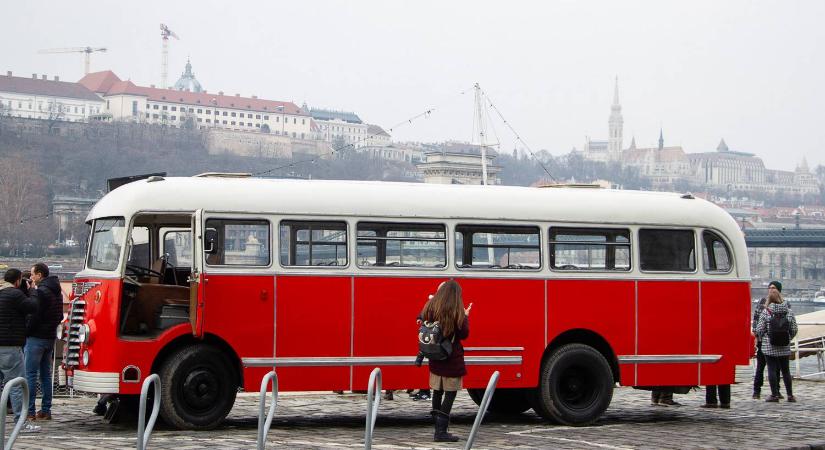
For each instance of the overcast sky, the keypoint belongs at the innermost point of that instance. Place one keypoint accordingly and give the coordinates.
(751, 72)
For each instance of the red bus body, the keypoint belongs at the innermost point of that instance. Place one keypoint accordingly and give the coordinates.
(326, 330)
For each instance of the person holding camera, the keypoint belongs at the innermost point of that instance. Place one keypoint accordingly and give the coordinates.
(447, 308)
(14, 306)
(40, 337)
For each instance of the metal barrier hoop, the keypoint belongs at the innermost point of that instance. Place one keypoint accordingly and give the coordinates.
(373, 400)
(4, 399)
(144, 431)
(482, 408)
(263, 425)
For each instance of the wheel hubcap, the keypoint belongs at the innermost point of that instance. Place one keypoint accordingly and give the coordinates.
(577, 388)
(200, 389)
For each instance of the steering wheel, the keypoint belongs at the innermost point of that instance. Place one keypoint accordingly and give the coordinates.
(143, 271)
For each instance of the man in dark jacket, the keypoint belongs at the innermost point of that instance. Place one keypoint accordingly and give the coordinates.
(14, 305)
(40, 336)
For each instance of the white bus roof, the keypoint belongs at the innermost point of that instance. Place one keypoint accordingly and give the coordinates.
(411, 200)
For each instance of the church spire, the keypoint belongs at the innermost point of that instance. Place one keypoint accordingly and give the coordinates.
(614, 124)
(661, 140)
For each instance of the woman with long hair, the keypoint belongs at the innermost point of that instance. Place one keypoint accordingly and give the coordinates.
(446, 307)
(776, 343)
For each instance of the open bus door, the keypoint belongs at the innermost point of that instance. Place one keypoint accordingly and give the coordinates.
(195, 289)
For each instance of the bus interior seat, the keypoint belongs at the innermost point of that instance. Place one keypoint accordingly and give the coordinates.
(143, 311)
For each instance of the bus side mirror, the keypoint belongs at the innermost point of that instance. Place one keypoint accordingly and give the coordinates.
(210, 241)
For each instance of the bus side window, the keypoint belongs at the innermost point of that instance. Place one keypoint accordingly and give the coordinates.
(715, 254)
(313, 243)
(241, 242)
(497, 247)
(664, 250)
(401, 245)
(589, 249)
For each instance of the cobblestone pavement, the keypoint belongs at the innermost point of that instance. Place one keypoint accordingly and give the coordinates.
(320, 420)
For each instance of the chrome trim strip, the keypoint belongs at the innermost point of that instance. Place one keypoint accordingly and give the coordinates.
(328, 361)
(660, 359)
(493, 349)
(97, 382)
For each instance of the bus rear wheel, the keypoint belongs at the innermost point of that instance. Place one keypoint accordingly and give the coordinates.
(504, 401)
(575, 386)
(198, 388)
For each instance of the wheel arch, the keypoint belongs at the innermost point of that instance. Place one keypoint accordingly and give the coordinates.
(208, 339)
(586, 337)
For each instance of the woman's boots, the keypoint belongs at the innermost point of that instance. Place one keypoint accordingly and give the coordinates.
(442, 421)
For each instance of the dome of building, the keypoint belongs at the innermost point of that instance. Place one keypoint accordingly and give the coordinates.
(187, 81)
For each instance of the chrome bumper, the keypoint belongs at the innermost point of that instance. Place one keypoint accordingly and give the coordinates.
(97, 382)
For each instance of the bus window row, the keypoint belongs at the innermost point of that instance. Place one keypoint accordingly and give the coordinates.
(311, 243)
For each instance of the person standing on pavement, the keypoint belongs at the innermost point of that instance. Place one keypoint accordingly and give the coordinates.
(14, 306)
(446, 375)
(777, 326)
(724, 396)
(759, 373)
(40, 337)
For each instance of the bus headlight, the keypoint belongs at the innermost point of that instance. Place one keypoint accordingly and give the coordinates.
(83, 333)
(85, 357)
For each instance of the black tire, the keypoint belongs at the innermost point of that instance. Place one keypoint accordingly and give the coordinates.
(198, 388)
(504, 401)
(575, 386)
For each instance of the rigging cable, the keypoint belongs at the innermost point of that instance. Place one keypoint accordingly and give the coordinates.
(410, 120)
(518, 137)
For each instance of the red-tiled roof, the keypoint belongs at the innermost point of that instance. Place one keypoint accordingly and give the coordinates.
(208, 100)
(51, 88)
(99, 81)
(124, 87)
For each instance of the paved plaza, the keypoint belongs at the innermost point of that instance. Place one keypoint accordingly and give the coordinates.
(327, 420)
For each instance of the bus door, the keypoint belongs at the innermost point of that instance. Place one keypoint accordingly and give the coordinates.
(195, 292)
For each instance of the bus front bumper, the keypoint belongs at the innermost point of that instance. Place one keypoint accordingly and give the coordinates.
(97, 382)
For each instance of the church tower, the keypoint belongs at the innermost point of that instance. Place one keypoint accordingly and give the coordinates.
(615, 124)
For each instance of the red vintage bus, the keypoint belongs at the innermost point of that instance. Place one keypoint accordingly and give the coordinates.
(212, 281)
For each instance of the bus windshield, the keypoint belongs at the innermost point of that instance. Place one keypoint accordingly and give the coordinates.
(107, 240)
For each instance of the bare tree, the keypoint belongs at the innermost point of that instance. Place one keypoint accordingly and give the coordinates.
(26, 220)
(56, 114)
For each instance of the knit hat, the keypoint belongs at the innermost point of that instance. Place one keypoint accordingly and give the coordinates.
(776, 284)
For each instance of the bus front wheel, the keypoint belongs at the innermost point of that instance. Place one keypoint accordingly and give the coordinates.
(575, 385)
(198, 387)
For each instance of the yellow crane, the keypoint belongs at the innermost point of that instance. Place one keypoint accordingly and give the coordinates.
(85, 50)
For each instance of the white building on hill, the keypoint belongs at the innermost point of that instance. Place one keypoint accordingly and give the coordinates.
(42, 98)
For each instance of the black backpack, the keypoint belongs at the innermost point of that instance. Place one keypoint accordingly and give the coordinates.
(779, 329)
(432, 343)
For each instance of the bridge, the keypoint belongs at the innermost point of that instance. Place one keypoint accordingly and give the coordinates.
(786, 237)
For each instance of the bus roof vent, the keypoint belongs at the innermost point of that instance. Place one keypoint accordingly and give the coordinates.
(570, 185)
(687, 195)
(154, 178)
(224, 175)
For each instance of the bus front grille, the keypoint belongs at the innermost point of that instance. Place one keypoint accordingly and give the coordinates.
(76, 315)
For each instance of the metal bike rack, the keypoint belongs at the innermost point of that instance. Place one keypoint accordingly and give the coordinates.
(373, 400)
(482, 409)
(4, 399)
(265, 423)
(144, 431)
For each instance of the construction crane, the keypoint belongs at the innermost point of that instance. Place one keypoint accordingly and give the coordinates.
(165, 33)
(87, 50)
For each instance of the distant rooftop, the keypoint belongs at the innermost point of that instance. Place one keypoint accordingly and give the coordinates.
(328, 114)
(45, 87)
